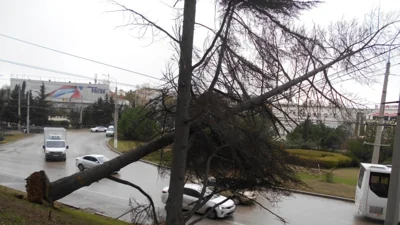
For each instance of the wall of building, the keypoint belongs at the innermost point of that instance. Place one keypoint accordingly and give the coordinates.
(330, 116)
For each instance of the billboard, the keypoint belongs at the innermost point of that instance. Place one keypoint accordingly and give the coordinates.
(64, 91)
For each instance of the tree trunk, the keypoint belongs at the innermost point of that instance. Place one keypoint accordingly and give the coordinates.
(66, 185)
(182, 126)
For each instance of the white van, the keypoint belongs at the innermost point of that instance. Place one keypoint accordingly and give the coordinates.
(55, 143)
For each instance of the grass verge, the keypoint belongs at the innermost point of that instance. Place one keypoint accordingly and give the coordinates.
(342, 182)
(13, 137)
(16, 210)
(155, 157)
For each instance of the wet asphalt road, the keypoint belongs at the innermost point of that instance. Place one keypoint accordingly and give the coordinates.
(19, 159)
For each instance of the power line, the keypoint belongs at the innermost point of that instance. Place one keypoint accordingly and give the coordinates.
(57, 71)
(339, 75)
(80, 57)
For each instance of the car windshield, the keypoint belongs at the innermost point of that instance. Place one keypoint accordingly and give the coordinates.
(102, 159)
(110, 129)
(55, 144)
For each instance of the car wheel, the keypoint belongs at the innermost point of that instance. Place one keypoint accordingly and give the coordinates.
(212, 214)
(80, 167)
(64, 159)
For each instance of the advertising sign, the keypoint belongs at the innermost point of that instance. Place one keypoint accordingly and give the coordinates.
(65, 91)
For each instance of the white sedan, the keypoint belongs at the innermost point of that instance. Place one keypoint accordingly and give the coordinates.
(98, 129)
(191, 193)
(89, 161)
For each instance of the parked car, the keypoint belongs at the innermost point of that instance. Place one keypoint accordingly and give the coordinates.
(242, 197)
(191, 193)
(98, 129)
(110, 132)
(89, 161)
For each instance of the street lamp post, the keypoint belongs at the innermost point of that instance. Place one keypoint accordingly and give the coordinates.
(115, 112)
(27, 112)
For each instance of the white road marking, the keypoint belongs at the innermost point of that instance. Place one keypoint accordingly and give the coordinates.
(227, 221)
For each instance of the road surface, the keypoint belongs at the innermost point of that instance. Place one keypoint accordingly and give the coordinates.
(18, 160)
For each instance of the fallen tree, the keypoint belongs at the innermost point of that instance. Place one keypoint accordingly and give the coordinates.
(66, 185)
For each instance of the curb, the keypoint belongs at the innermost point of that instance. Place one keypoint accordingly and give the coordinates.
(69, 206)
(102, 214)
(141, 160)
(322, 195)
(291, 190)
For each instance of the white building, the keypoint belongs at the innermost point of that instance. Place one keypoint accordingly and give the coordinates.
(389, 116)
(146, 94)
(330, 116)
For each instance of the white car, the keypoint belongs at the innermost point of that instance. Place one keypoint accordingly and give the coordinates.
(98, 129)
(89, 161)
(242, 197)
(110, 132)
(191, 193)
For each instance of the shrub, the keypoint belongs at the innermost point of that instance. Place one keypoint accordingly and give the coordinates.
(328, 177)
(355, 162)
(324, 159)
(136, 125)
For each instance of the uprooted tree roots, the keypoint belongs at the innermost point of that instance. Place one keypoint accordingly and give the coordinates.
(38, 188)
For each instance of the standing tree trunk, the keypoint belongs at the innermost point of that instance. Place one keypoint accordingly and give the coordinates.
(181, 139)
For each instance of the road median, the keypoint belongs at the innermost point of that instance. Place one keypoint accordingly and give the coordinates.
(152, 159)
(11, 138)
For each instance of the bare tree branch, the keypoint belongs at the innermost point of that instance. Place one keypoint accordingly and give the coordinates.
(149, 22)
(141, 191)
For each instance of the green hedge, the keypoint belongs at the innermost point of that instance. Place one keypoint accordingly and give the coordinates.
(323, 158)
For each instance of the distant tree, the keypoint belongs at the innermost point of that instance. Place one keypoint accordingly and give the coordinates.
(135, 124)
(362, 149)
(11, 108)
(100, 112)
(130, 96)
(74, 118)
(4, 95)
(41, 108)
(317, 136)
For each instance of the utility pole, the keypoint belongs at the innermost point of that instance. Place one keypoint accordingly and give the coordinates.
(378, 136)
(116, 119)
(81, 112)
(19, 108)
(27, 113)
(392, 207)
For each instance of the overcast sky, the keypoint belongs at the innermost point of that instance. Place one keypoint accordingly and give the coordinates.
(88, 29)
